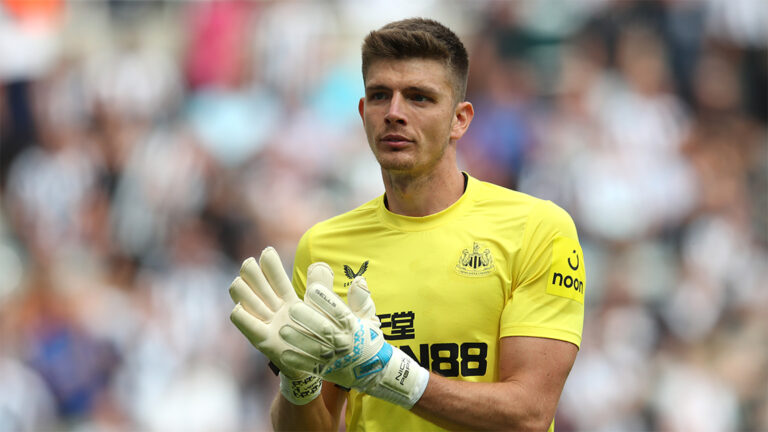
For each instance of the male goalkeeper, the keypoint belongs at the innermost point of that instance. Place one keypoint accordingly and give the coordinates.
(463, 301)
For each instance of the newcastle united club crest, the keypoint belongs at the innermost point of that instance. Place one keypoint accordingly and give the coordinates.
(477, 263)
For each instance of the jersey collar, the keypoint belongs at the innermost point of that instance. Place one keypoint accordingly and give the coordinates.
(424, 223)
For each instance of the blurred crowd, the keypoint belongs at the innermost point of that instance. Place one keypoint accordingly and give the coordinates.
(147, 148)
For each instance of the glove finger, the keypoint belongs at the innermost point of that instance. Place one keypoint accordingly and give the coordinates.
(275, 273)
(252, 275)
(360, 302)
(336, 337)
(253, 328)
(317, 325)
(241, 293)
(321, 273)
(327, 302)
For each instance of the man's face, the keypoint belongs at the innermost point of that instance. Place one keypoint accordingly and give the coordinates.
(409, 115)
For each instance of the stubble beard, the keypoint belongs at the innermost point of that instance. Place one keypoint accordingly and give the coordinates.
(406, 164)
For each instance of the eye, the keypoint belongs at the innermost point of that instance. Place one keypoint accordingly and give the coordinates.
(421, 98)
(377, 96)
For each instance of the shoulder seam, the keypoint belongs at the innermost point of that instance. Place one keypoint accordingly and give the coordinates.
(362, 208)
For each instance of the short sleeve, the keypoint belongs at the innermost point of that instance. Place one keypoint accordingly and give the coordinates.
(548, 297)
(301, 263)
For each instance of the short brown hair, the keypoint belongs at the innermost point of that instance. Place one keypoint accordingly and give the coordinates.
(419, 38)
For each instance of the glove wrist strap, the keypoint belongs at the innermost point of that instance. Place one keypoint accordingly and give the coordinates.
(403, 381)
(301, 390)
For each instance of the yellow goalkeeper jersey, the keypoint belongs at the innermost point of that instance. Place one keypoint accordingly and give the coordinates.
(449, 286)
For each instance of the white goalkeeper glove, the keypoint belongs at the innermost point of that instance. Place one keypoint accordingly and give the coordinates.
(370, 365)
(269, 313)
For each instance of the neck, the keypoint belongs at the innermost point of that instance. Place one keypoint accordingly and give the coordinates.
(422, 195)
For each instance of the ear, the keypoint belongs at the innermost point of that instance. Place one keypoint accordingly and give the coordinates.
(361, 108)
(462, 117)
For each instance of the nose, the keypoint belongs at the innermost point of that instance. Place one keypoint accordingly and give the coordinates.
(395, 112)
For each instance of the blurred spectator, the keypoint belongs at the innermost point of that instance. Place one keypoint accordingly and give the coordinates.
(636, 167)
(49, 184)
(216, 56)
(75, 364)
(27, 49)
(134, 82)
(163, 180)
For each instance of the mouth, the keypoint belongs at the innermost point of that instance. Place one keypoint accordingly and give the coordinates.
(395, 141)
